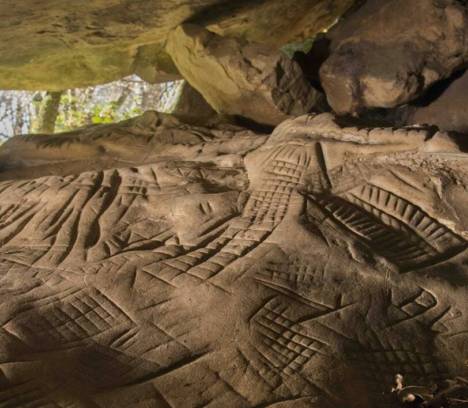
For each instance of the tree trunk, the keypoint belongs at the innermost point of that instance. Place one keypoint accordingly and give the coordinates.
(19, 119)
(49, 112)
(122, 98)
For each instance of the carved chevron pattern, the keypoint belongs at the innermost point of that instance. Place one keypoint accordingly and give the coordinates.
(285, 344)
(150, 285)
(393, 227)
(263, 212)
(79, 316)
(383, 355)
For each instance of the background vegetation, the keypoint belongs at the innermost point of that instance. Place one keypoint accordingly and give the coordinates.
(23, 112)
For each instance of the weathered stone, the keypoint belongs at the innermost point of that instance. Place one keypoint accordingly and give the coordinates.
(191, 107)
(447, 109)
(305, 269)
(154, 65)
(55, 45)
(389, 53)
(144, 139)
(239, 78)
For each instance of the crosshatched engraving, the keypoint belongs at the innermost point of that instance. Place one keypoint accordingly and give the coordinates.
(310, 268)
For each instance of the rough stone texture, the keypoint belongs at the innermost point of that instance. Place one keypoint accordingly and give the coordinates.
(448, 109)
(152, 136)
(174, 283)
(238, 78)
(153, 64)
(390, 52)
(191, 107)
(53, 45)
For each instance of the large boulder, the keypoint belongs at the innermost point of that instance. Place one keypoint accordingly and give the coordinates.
(391, 51)
(251, 80)
(54, 44)
(447, 108)
(147, 138)
(191, 107)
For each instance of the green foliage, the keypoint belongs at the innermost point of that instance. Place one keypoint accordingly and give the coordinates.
(110, 113)
(74, 113)
(23, 112)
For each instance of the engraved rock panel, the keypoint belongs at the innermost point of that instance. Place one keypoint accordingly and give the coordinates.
(318, 264)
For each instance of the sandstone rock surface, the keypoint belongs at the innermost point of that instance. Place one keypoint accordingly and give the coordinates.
(151, 137)
(390, 52)
(55, 45)
(304, 271)
(191, 107)
(448, 109)
(238, 78)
